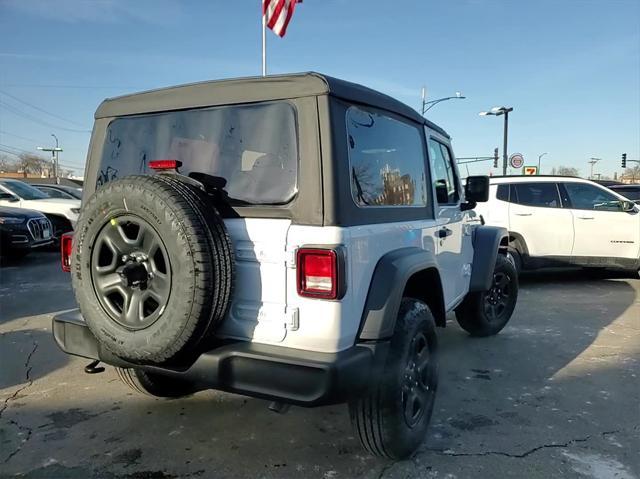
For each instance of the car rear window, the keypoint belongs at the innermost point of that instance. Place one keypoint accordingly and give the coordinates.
(253, 147)
(537, 194)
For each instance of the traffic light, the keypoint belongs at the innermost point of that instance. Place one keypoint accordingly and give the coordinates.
(495, 157)
(624, 160)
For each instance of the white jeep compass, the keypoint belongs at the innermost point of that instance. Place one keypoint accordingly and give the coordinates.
(564, 221)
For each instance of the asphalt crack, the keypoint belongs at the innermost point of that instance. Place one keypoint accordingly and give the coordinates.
(27, 431)
(524, 454)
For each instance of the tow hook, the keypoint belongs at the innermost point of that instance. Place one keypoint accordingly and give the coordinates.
(93, 368)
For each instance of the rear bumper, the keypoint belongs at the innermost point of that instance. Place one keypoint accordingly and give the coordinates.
(270, 372)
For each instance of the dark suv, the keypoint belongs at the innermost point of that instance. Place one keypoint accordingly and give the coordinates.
(22, 230)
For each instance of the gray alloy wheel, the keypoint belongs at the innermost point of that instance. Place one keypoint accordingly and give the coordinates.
(131, 272)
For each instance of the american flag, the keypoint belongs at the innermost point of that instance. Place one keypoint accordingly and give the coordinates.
(278, 13)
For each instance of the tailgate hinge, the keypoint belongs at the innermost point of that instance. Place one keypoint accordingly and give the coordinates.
(292, 319)
(290, 257)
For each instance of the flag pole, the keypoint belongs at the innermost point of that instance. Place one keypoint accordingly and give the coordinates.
(264, 42)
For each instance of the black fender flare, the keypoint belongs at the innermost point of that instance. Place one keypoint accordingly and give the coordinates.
(487, 241)
(387, 286)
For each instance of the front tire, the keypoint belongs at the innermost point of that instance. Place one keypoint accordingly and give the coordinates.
(486, 313)
(154, 385)
(392, 418)
(515, 257)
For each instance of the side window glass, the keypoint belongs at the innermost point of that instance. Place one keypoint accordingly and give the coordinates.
(537, 194)
(588, 197)
(503, 193)
(386, 159)
(444, 179)
(54, 193)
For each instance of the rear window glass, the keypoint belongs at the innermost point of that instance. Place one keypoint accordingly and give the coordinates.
(253, 147)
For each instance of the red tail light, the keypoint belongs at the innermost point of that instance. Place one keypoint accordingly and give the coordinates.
(319, 273)
(165, 164)
(66, 244)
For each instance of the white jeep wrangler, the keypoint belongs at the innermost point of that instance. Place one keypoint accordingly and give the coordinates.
(295, 238)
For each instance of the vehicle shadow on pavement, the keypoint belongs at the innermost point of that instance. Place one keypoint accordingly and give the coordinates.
(122, 432)
(549, 378)
(559, 372)
(27, 355)
(45, 290)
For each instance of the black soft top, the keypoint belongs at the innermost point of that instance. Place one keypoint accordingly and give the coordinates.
(252, 89)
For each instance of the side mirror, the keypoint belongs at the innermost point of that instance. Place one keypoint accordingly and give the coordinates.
(442, 194)
(477, 189)
(628, 206)
(8, 197)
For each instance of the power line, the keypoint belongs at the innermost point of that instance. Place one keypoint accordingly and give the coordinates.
(22, 114)
(17, 149)
(20, 137)
(40, 109)
(9, 152)
(7, 148)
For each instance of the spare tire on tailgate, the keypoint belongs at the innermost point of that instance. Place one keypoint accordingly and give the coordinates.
(152, 268)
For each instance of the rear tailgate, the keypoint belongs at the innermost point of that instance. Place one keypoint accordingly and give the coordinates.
(258, 308)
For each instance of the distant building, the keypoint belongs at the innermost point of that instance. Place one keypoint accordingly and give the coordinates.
(396, 189)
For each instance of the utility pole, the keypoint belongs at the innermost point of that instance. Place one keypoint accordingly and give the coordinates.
(54, 158)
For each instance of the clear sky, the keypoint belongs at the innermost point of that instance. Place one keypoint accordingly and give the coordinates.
(569, 68)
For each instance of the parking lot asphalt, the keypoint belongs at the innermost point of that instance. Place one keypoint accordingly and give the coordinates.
(557, 393)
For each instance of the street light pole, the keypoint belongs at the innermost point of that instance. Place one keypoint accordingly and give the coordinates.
(54, 157)
(497, 111)
(428, 105)
(539, 157)
(504, 147)
(56, 168)
(592, 162)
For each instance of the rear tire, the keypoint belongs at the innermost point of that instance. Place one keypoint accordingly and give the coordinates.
(392, 418)
(485, 313)
(155, 385)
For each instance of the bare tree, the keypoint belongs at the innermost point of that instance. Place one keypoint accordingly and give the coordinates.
(633, 173)
(8, 164)
(33, 164)
(565, 171)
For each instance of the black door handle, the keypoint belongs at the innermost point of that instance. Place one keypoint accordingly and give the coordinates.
(444, 232)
